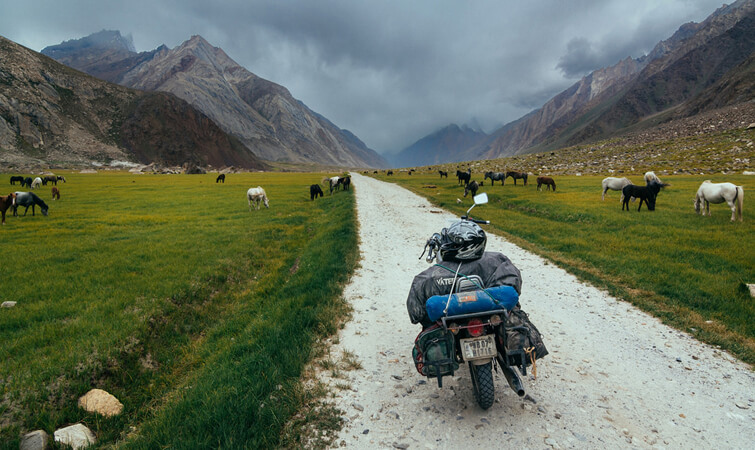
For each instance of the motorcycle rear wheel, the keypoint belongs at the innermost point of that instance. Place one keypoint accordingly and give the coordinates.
(482, 383)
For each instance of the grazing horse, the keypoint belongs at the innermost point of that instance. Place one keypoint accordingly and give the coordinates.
(19, 179)
(614, 184)
(36, 183)
(49, 179)
(730, 193)
(646, 193)
(27, 182)
(517, 176)
(345, 182)
(28, 199)
(464, 176)
(61, 178)
(547, 181)
(220, 178)
(443, 173)
(314, 191)
(495, 176)
(6, 201)
(55, 193)
(651, 176)
(333, 182)
(390, 172)
(471, 187)
(256, 195)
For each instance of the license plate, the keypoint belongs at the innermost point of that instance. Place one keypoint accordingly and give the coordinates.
(482, 347)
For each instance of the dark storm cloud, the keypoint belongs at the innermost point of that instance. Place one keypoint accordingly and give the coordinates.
(390, 71)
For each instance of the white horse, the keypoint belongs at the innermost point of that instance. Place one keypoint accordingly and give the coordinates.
(730, 193)
(615, 184)
(256, 195)
(36, 183)
(651, 176)
(333, 182)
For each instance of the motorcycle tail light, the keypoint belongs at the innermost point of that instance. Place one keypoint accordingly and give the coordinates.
(495, 320)
(475, 327)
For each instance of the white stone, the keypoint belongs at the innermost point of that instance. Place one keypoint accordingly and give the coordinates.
(36, 440)
(77, 436)
(8, 305)
(101, 402)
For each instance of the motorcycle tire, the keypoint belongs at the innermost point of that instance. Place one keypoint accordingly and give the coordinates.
(482, 383)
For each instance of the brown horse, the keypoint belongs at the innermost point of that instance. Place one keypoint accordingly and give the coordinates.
(6, 201)
(55, 193)
(517, 176)
(547, 181)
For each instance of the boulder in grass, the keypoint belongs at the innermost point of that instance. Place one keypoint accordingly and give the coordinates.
(36, 440)
(76, 436)
(8, 304)
(101, 402)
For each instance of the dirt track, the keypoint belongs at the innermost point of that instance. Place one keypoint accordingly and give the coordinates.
(615, 377)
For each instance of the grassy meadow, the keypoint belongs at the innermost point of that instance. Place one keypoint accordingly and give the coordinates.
(686, 269)
(167, 292)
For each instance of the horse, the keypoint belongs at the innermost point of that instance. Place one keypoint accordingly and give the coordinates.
(333, 182)
(517, 176)
(651, 176)
(19, 179)
(345, 182)
(220, 178)
(28, 199)
(49, 179)
(55, 193)
(647, 193)
(27, 182)
(471, 187)
(443, 173)
(6, 201)
(390, 172)
(495, 176)
(314, 191)
(36, 183)
(730, 193)
(61, 178)
(614, 184)
(256, 195)
(464, 176)
(547, 181)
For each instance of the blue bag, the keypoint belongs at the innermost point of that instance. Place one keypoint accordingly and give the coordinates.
(503, 297)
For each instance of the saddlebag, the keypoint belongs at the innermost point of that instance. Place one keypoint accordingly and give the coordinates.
(523, 340)
(434, 353)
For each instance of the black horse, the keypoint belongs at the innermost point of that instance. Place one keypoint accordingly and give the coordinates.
(471, 187)
(314, 191)
(517, 176)
(495, 176)
(28, 199)
(443, 173)
(464, 176)
(220, 178)
(19, 179)
(647, 193)
(27, 182)
(345, 182)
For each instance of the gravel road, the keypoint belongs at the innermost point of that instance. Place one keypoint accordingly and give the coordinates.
(615, 376)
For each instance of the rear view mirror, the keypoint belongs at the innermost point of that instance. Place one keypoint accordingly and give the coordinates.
(481, 199)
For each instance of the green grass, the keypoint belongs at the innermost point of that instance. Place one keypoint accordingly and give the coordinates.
(686, 269)
(168, 293)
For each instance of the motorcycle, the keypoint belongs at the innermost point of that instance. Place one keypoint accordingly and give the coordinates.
(470, 326)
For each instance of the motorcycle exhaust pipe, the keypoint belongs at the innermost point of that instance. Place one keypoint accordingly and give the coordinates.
(514, 381)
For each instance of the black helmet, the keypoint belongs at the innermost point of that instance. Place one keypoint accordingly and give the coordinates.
(463, 241)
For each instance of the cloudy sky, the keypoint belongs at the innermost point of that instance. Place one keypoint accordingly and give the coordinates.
(390, 71)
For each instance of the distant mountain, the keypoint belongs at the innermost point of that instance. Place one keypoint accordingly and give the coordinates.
(699, 68)
(261, 114)
(445, 145)
(51, 115)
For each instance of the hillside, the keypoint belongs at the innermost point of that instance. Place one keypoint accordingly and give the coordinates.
(51, 115)
(263, 115)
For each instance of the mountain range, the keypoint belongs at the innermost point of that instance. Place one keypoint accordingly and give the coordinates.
(701, 67)
(262, 115)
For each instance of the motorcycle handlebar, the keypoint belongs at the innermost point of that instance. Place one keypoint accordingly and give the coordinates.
(481, 222)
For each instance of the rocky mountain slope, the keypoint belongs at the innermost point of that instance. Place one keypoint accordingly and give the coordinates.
(701, 67)
(51, 115)
(263, 115)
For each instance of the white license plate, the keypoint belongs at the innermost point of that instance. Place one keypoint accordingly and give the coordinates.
(478, 348)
